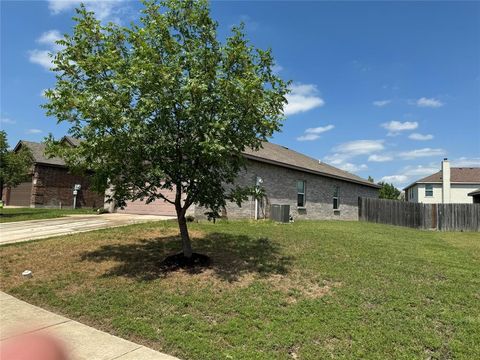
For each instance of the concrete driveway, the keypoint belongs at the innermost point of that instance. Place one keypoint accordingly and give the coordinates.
(19, 231)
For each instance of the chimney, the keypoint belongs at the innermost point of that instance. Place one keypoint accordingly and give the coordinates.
(445, 181)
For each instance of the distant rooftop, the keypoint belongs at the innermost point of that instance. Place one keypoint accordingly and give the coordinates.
(469, 175)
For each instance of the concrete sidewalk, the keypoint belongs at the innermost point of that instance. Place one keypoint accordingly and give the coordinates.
(82, 341)
(12, 232)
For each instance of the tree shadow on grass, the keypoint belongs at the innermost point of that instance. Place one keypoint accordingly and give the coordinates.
(232, 256)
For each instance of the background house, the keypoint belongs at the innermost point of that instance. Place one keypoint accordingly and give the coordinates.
(313, 189)
(475, 196)
(51, 184)
(449, 185)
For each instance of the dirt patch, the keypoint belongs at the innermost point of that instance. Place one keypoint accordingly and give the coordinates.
(296, 286)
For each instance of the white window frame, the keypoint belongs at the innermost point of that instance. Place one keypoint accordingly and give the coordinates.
(304, 193)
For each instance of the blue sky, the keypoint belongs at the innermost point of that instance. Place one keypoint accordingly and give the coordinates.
(386, 89)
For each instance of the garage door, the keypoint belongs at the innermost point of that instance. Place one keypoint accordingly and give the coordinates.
(20, 195)
(157, 207)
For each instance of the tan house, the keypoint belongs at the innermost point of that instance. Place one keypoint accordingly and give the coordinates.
(450, 185)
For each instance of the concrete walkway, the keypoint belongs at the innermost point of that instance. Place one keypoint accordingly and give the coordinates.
(12, 232)
(82, 341)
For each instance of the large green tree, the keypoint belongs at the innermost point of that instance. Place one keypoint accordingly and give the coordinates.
(15, 167)
(163, 104)
(388, 191)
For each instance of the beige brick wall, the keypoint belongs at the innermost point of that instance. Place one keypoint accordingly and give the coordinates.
(280, 186)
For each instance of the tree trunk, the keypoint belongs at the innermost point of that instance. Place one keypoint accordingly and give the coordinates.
(1, 190)
(186, 244)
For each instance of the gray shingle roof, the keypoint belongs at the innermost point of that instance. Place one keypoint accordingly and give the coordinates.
(38, 153)
(283, 156)
(270, 153)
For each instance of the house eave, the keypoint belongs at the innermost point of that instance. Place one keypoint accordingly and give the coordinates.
(299, 168)
(439, 182)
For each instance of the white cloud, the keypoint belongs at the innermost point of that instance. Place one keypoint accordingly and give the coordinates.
(425, 152)
(41, 57)
(302, 98)
(420, 137)
(429, 102)
(49, 38)
(104, 9)
(410, 174)
(276, 68)
(308, 137)
(4, 120)
(421, 170)
(353, 167)
(319, 130)
(380, 158)
(360, 147)
(381, 103)
(343, 152)
(34, 131)
(466, 162)
(395, 127)
(314, 133)
(395, 179)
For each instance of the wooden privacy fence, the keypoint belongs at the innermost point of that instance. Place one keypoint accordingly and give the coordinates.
(444, 217)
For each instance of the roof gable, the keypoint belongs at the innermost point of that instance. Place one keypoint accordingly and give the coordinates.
(38, 153)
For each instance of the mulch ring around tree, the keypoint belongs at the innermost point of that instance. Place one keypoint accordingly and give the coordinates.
(197, 262)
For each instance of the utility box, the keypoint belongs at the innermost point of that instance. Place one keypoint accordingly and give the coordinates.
(280, 213)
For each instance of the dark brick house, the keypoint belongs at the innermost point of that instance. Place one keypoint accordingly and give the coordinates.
(51, 184)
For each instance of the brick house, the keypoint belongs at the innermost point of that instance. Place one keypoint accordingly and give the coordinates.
(313, 189)
(51, 184)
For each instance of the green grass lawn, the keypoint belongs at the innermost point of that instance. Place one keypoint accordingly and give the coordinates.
(308, 290)
(23, 214)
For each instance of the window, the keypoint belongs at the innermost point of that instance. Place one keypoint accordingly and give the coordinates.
(336, 198)
(429, 190)
(301, 193)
